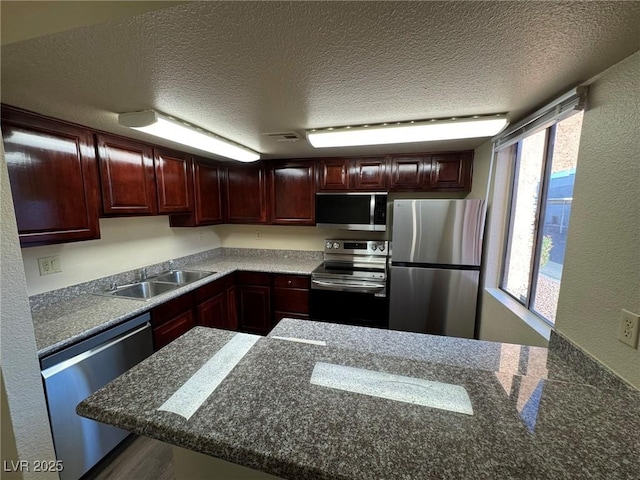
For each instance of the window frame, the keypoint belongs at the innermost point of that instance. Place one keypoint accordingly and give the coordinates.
(545, 179)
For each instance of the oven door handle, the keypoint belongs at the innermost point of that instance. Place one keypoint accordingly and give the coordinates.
(349, 286)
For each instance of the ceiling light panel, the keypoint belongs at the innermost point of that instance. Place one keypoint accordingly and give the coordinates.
(168, 128)
(408, 132)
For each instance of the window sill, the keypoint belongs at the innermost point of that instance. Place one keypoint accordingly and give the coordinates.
(531, 319)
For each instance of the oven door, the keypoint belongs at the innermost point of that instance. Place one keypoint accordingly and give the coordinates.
(349, 307)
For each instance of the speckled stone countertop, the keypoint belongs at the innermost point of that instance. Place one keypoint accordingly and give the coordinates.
(65, 317)
(267, 415)
(561, 361)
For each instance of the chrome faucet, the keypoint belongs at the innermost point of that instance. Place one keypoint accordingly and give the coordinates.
(143, 273)
(171, 265)
(113, 286)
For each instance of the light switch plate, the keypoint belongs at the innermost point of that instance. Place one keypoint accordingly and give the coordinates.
(629, 328)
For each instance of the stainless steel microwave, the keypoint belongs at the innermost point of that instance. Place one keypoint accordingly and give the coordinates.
(352, 211)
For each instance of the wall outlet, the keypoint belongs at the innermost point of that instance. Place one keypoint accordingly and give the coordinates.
(49, 265)
(629, 328)
(258, 235)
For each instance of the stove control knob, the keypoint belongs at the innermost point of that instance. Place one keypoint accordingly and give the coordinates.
(329, 245)
(374, 247)
(382, 247)
(336, 245)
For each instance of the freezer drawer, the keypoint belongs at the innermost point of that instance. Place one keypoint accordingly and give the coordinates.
(434, 300)
(79, 442)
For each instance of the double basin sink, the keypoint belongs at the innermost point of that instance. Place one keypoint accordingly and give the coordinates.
(162, 283)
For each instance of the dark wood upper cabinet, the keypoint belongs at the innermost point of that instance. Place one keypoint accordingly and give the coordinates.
(246, 194)
(174, 183)
(207, 180)
(292, 189)
(334, 174)
(406, 172)
(53, 174)
(127, 176)
(369, 174)
(451, 171)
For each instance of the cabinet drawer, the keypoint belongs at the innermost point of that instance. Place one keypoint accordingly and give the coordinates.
(291, 300)
(291, 281)
(253, 278)
(172, 329)
(212, 289)
(172, 309)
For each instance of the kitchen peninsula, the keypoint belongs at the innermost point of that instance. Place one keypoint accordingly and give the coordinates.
(324, 401)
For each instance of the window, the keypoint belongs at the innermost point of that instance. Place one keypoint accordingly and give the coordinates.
(542, 192)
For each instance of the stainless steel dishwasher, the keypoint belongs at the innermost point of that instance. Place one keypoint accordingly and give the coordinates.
(73, 374)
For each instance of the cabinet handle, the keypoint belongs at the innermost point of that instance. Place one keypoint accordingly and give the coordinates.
(288, 282)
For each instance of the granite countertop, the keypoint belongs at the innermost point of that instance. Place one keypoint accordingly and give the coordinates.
(486, 416)
(61, 322)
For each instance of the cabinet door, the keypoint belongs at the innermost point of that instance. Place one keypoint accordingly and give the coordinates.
(172, 329)
(174, 184)
(290, 297)
(246, 195)
(407, 172)
(451, 171)
(254, 308)
(213, 312)
(333, 174)
(127, 177)
(232, 308)
(293, 199)
(207, 188)
(54, 178)
(369, 174)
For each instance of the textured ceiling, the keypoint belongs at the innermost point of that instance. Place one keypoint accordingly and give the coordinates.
(241, 69)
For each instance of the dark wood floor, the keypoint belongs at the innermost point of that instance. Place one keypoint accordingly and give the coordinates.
(137, 458)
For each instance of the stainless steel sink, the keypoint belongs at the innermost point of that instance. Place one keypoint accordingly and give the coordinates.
(182, 277)
(152, 287)
(143, 290)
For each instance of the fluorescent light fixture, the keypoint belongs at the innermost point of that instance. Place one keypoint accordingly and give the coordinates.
(406, 132)
(169, 128)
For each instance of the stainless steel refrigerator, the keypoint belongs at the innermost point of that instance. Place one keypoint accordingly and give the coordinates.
(435, 266)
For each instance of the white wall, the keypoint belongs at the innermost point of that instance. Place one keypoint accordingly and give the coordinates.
(22, 395)
(125, 244)
(601, 272)
(281, 237)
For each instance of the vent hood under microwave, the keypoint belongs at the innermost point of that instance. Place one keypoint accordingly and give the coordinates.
(352, 211)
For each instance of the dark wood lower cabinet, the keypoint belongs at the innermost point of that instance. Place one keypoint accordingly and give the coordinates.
(216, 304)
(172, 319)
(213, 312)
(254, 308)
(252, 302)
(258, 292)
(168, 332)
(290, 297)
